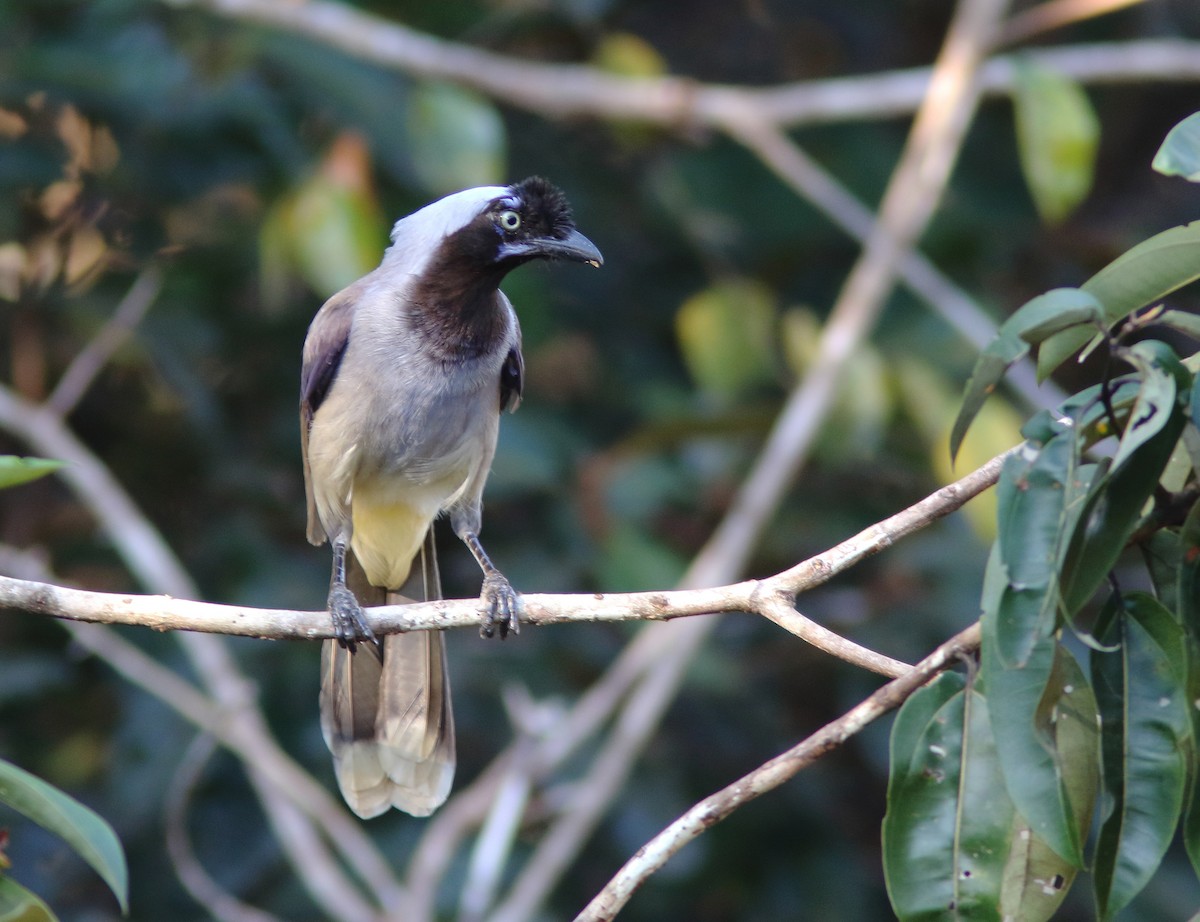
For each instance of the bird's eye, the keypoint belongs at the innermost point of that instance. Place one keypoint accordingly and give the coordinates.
(509, 220)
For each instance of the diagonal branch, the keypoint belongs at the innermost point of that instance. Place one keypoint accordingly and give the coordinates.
(812, 182)
(224, 906)
(912, 195)
(710, 811)
(87, 364)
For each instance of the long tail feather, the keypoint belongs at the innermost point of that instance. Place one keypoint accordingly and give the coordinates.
(390, 726)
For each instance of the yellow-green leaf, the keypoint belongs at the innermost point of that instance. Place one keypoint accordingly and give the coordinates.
(725, 334)
(1057, 138)
(328, 230)
(19, 905)
(457, 138)
(629, 56)
(15, 470)
(1144, 274)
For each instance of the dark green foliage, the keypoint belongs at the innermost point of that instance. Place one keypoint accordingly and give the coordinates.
(259, 170)
(1063, 525)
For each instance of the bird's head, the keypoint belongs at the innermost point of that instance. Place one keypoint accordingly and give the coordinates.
(533, 221)
(493, 229)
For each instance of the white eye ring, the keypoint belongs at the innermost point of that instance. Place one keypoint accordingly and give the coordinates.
(509, 220)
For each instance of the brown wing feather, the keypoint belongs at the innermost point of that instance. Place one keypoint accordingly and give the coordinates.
(324, 348)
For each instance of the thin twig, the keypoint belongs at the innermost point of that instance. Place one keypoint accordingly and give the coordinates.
(490, 854)
(654, 854)
(91, 360)
(1054, 14)
(215, 899)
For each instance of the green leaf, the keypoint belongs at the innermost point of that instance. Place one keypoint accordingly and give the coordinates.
(628, 55)
(1194, 402)
(83, 829)
(1031, 499)
(1116, 499)
(1029, 325)
(1036, 880)
(1161, 553)
(915, 714)
(1180, 152)
(948, 822)
(1161, 373)
(1182, 321)
(1057, 138)
(335, 234)
(1024, 703)
(1188, 596)
(1143, 275)
(19, 905)
(328, 230)
(1147, 728)
(15, 470)
(725, 333)
(457, 138)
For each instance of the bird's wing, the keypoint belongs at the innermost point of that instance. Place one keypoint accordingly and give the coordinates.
(512, 372)
(324, 348)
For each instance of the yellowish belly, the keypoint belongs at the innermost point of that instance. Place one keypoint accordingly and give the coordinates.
(386, 538)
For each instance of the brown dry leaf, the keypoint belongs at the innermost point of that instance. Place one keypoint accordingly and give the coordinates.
(348, 163)
(59, 196)
(205, 220)
(85, 255)
(76, 134)
(12, 263)
(12, 125)
(105, 152)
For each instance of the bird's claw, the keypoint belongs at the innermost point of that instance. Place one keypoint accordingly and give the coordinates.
(349, 624)
(501, 606)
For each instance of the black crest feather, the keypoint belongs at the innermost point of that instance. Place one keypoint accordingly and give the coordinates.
(544, 207)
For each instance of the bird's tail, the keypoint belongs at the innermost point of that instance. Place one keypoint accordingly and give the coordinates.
(387, 719)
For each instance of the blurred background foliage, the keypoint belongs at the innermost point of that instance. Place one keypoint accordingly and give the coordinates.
(260, 172)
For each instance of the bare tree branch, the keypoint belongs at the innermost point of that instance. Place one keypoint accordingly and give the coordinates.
(87, 364)
(223, 905)
(710, 811)
(1054, 14)
(912, 195)
(816, 185)
(571, 90)
(278, 773)
(771, 597)
(152, 562)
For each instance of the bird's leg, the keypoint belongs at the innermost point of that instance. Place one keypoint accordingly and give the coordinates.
(349, 625)
(500, 603)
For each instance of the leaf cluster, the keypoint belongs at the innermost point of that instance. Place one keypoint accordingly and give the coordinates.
(996, 777)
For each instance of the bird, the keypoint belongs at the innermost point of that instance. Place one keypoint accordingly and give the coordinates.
(404, 377)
